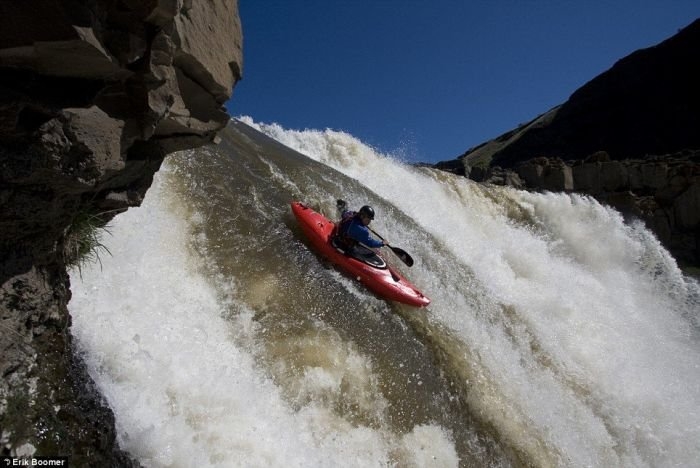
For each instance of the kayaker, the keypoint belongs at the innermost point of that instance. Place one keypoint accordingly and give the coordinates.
(352, 228)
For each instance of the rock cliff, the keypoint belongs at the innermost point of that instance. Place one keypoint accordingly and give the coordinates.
(93, 95)
(629, 137)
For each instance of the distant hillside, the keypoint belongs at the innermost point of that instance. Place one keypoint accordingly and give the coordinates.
(648, 103)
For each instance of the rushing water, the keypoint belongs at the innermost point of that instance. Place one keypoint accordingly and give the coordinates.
(558, 334)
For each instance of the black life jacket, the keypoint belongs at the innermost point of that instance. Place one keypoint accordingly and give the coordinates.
(341, 238)
(351, 247)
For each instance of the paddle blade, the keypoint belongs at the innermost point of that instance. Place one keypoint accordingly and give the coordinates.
(403, 255)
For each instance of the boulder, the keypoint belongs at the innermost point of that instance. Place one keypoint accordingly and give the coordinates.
(613, 176)
(531, 173)
(587, 177)
(557, 177)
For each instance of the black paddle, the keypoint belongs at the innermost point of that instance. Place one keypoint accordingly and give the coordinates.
(401, 253)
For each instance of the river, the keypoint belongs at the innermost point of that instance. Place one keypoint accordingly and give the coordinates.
(558, 334)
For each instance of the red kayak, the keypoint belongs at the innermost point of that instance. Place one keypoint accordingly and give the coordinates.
(362, 263)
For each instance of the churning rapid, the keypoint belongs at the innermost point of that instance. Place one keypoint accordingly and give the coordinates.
(558, 334)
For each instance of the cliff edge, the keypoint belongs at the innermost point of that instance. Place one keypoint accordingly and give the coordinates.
(93, 95)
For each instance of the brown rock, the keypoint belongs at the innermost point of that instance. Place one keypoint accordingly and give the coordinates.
(587, 178)
(634, 173)
(93, 95)
(686, 208)
(531, 173)
(558, 177)
(613, 176)
(654, 175)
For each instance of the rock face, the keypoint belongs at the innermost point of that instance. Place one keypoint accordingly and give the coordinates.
(630, 137)
(93, 95)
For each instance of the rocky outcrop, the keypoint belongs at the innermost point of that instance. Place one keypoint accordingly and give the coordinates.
(629, 137)
(93, 95)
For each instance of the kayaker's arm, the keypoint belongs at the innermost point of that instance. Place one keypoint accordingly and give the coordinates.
(362, 235)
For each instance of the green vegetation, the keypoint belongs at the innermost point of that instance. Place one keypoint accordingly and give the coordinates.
(83, 240)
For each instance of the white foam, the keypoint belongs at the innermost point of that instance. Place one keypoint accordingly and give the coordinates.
(183, 389)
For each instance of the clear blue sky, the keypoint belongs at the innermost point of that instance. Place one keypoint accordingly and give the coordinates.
(429, 79)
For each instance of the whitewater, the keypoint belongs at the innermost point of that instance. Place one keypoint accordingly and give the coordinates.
(559, 333)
